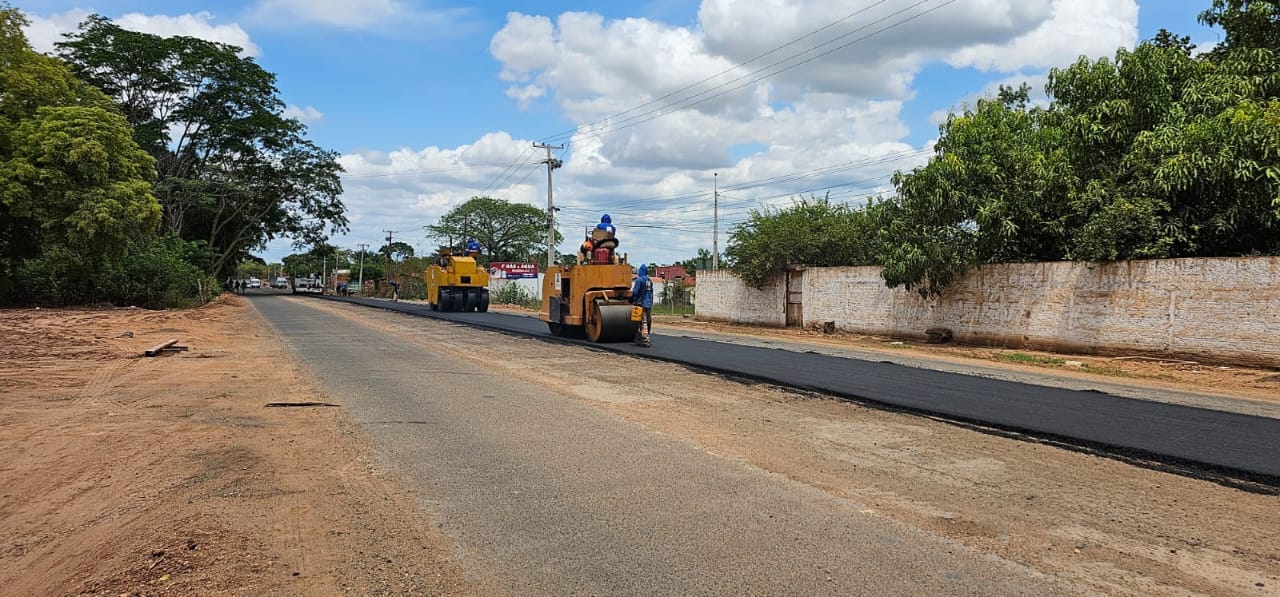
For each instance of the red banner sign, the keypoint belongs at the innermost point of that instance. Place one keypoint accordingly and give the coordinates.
(511, 269)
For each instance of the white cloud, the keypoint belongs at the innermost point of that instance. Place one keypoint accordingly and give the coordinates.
(45, 31)
(346, 14)
(1076, 28)
(525, 94)
(305, 115)
(648, 153)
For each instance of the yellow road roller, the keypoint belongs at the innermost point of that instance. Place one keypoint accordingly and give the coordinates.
(591, 298)
(457, 283)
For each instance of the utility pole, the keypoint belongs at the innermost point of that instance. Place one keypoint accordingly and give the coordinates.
(552, 164)
(391, 277)
(361, 282)
(715, 226)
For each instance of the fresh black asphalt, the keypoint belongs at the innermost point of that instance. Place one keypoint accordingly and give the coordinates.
(1230, 447)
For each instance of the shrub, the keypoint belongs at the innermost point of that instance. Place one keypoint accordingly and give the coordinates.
(515, 294)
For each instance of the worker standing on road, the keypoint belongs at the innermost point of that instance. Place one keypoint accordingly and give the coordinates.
(642, 296)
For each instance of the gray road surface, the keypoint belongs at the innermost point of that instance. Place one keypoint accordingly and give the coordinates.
(1227, 447)
(547, 495)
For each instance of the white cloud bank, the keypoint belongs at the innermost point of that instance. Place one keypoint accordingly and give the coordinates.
(648, 152)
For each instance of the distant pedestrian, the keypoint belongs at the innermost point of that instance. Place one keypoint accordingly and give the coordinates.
(235, 286)
(642, 296)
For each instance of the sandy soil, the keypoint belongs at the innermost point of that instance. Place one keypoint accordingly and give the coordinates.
(167, 475)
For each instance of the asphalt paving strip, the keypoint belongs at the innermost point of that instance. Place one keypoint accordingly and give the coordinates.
(1233, 449)
(546, 494)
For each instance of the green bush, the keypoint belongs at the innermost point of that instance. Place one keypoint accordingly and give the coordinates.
(158, 275)
(155, 274)
(515, 294)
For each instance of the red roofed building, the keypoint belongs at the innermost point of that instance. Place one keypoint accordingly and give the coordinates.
(672, 273)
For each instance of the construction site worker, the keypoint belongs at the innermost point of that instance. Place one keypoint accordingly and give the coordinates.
(606, 226)
(585, 251)
(473, 247)
(642, 296)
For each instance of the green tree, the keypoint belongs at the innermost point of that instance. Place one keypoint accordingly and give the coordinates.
(77, 174)
(397, 250)
(233, 172)
(811, 231)
(75, 189)
(1155, 153)
(506, 231)
(701, 262)
(1247, 23)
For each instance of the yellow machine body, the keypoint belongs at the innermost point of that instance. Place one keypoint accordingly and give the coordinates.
(591, 299)
(457, 283)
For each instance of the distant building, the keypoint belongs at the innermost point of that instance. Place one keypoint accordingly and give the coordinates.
(672, 273)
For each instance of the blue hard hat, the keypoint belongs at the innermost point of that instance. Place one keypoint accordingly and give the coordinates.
(606, 219)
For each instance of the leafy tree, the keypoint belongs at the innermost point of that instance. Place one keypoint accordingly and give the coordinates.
(232, 170)
(78, 175)
(702, 262)
(74, 187)
(397, 250)
(1155, 153)
(811, 231)
(320, 258)
(1247, 23)
(507, 231)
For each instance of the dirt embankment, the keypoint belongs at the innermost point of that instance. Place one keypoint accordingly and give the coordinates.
(168, 475)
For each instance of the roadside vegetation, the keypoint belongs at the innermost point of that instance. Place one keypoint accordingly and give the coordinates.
(141, 170)
(1159, 152)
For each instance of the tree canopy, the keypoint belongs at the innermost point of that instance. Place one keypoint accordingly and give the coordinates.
(1155, 153)
(506, 231)
(232, 171)
(74, 186)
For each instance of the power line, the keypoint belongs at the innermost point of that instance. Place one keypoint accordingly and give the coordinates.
(686, 103)
(570, 132)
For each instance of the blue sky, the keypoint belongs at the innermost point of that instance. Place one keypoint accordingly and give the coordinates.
(430, 90)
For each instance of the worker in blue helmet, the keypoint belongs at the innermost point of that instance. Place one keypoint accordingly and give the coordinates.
(606, 224)
(473, 247)
(642, 296)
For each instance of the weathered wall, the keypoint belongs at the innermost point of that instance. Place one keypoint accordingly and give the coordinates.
(1214, 309)
(722, 296)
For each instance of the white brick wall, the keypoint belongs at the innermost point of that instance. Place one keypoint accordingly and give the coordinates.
(722, 296)
(1224, 309)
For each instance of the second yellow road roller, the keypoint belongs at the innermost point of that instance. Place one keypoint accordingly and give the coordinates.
(457, 282)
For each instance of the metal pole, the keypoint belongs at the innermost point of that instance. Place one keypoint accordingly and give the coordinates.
(552, 164)
(361, 283)
(716, 224)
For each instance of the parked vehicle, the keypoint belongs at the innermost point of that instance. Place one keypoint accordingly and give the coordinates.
(307, 285)
(280, 283)
(254, 283)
